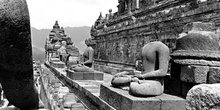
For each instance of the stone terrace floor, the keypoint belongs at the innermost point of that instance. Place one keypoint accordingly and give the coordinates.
(88, 91)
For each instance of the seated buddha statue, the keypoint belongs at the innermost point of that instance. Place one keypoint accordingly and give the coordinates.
(149, 82)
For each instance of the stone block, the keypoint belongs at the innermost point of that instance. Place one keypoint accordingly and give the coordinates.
(214, 75)
(74, 75)
(122, 100)
(98, 76)
(171, 102)
(85, 75)
(88, 76)
(194, 74)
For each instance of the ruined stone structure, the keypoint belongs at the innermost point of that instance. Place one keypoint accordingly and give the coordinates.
(195, 60)
(58, 34)
(120, 38)
(53, 43)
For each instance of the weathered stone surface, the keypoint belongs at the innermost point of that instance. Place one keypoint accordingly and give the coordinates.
(85, 75)
(197, 54)
(194, 74)
(122, 42)
(16, 68)
(203, 97)
(198, 40)
(214, 75)
(98, 76)
(122, 100)
(198, 26)
(88, 76)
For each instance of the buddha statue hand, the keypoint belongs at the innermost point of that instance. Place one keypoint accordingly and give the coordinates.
(121, 81)
(121, 74)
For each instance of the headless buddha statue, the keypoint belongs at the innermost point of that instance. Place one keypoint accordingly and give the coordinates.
(155, 59)
(88, 56)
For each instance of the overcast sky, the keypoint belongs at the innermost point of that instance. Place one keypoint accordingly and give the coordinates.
(73, 13)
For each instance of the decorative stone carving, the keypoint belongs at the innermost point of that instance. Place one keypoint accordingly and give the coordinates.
(155, 58)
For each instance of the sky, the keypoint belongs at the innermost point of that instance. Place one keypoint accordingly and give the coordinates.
(72, 13)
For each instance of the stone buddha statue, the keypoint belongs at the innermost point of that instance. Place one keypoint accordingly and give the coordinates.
(155, 59)
(88, 58)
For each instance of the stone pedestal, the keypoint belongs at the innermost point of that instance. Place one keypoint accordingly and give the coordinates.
(85, 75)
(122, 100)
(57, 64)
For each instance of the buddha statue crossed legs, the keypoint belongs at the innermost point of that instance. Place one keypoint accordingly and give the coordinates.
(155, 59)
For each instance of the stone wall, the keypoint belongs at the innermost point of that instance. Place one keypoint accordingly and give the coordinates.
(119, 41)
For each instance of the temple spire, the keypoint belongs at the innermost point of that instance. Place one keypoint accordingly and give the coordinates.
(56, 25)
(100, 16)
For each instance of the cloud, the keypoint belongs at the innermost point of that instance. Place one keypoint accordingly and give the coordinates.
(73, 13)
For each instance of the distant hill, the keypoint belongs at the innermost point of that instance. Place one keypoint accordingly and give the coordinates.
(38, 54)
(77, 34)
